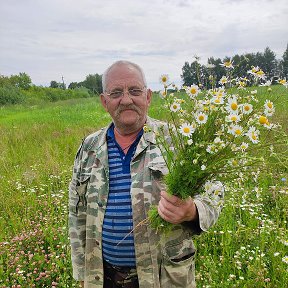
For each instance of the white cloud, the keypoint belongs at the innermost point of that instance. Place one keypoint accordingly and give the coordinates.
(49, 38)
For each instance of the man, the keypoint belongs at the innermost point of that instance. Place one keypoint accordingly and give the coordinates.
(118, 175)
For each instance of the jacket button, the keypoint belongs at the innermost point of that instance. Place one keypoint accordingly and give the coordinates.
(97, 278)
(100, 204)
(97, 243)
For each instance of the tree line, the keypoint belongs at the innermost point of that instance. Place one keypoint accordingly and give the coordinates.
(196, 73)
(20, 89)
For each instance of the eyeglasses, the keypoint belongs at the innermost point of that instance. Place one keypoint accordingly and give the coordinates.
(117, 94)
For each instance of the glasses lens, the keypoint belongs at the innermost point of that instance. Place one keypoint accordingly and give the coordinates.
(116, 94)
(135, 92)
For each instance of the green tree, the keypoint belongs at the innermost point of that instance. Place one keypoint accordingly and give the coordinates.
(22, 81)
(284, 64)
(93, 83)
(269, 63)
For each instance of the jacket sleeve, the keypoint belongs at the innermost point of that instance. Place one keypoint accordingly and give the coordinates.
(209, 205)
(77, 220)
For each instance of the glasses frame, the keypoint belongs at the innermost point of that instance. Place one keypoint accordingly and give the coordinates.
(123, 92)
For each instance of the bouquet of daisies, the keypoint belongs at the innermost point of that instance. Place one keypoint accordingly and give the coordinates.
(217, 134)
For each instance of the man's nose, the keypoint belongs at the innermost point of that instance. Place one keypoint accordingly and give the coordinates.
(126, 98)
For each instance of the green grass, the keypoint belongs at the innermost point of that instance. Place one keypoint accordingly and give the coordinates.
(38, 145)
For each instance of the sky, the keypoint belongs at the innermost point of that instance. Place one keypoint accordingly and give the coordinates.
(51, 39)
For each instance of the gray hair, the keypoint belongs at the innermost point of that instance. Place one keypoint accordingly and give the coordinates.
(119, 63)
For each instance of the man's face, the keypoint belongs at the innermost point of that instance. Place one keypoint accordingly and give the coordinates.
(128, 112)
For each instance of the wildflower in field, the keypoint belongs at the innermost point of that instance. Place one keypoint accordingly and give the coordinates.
(244, 146)
(190, 141)
(201, 118)
(253, 92)
(276, 254)
(237, 130)
(186, 129)
(263, 120)
(285, 242)
(163, 94)
(233, 118)
(227, 64)
(223, 80)
(267, 83)
(253, 135)
(175, 107)
(164, 78)
(217, 100)
(193, 91)
(285, 259)
(203, 167)
(232, 105)
(246, 108)
(269, 112)
(283, 82)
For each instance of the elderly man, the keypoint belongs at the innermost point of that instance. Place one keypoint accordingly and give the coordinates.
(118, 174)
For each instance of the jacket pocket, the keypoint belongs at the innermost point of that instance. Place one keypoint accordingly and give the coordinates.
(178, 267)
(80, 200)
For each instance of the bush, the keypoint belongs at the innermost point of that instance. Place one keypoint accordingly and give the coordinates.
(11, 95)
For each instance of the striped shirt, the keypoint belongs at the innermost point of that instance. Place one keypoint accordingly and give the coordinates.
(118, 222)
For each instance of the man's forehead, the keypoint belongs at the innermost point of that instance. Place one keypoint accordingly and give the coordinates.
(120, 73)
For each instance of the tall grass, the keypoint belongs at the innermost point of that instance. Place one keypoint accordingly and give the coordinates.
(244, 249)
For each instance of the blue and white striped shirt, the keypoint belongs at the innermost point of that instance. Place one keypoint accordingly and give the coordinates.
(118, 222)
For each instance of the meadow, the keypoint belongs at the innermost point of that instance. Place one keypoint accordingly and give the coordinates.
(248, 247)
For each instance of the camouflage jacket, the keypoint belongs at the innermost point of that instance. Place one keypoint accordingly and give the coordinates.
(161, 261)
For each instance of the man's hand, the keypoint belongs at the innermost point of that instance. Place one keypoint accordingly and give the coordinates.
(82, 284)
(175, 210)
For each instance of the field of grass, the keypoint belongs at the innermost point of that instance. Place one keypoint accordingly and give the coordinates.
(246, 248)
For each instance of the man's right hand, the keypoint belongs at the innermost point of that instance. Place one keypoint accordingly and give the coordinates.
(82, 284)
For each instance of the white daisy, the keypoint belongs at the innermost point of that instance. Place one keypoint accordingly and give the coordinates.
(217, 100)
(223, 80)
(193, 91)
(233, 118)
(232, 105)
(244, 146)
(237, 130)
(201, 118)
(190, 141)
(175, 107)
(227, 64)
(269, 112)
(285, 259)
(253, 135)
(246, 108)
(163, 94)
(268, 105)
(164, 78)
(186, 129)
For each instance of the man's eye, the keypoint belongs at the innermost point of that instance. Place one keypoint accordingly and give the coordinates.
(116, 94)
(135, 92)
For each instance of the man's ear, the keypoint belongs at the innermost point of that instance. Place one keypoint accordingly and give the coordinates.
(103, 101)
(149, 96)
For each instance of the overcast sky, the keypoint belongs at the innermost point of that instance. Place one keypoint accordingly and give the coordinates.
(49, 39)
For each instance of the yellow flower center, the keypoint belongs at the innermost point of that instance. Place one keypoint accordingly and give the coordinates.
(234, 118)
(238, 131)
(201, 117)
(175, 106)
(234, 163)
(186, 130)
(234, 106)
(246, 108)
(217, 100)
(260, 73)
(254, 136)
(282, 81)
(164, 79)
(263, 120)
(193, 91)
(270, 105)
